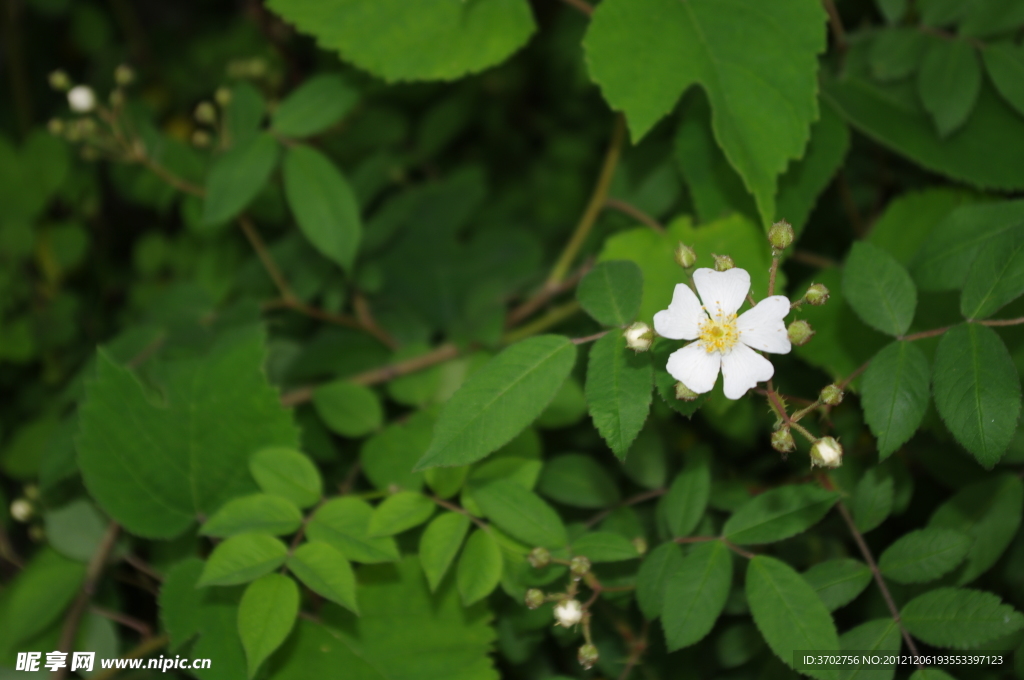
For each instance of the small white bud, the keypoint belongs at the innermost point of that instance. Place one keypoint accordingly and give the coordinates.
(639, 337)
(826, 452)
(21, 510)
(81, 99)
(568, 613)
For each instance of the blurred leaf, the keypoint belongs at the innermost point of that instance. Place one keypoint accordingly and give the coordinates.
(400, 512)
(439, 545)
(313, 107)
(879, 289)
(778, 514)
(838, 582)
(261, 513)
(618, 391)
(894, 393)
(348, 409)
(996, 276)
(646, 463)
(266, 615)
(695, 594)
(480, 566)
(949, 82)
(959, 618)
(924, 555)
(344, 524)
(909, 219)
(604, 546)
(39, 594)
(578, 481)
(897, 52)
(611, 292)
(287, 473)
(684, 504)
(521, 513)
(657, 568)
(567, 408)
(388, 456)
(241, 559)
(237, 176)
(75, 530)
(872, 500)
(1004, 63)
(326, 572)
(243, 113)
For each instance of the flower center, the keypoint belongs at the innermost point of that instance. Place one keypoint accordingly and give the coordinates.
(720, 334)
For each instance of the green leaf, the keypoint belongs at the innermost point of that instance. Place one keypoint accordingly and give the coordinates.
(567, 408)
(323, 204)
(153, 464)
(696, 594)
(237, 176)
(897, 52)
(924, 555)
(241, 559)
(480, 567)
(400, 512)
(880, 636)
(344, 523)
(521, 513)
(879, 289)
(959, 618)
(1004, 63)
(872, 500)
(499, 400)
(326, 572)
(656, 570)
(788, 612)
(684, 504)
(930, 674)
(949, 82)
(446, 482)
(435, 40)
(977, 390)
(288, 474)
(996, 276)
(838, 582)
(266, 615)
(39, 594)
(314, 106)
(389, 456)
(604, 546)
(439, 545)
(611, 292)
(578, 481)
(244, 113)
(618, 391)
(348, 409)
(75, 530)
(260, 513)
(778, 514)
(894, 393)
(989, 512)
(646, 54)
(909, 220)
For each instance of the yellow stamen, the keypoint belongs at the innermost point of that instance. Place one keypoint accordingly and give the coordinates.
(719, 334)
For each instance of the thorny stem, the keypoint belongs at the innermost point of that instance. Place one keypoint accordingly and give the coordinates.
(850, 378)
(780, 408)
(143, 649)
(634, 212)
(771, 275)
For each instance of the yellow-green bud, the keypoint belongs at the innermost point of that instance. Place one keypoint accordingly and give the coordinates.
(539, 557)
(800, 332)
(222, 96)
(117, 98)
(723, 262)
(831, 395)
(59, 81)
(640, 543)
(579, 565)
(639, 337)
(816, 295)
(782, 440)
(55, 126)
(685, 393)
(780, 235)
(534, 598)
(826, 452)
(685, 256)
(31, 492)
(124, 75)
(587, 656)
(200, 139)
(205, 113)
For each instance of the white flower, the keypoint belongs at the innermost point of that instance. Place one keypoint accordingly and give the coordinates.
(81, 99)
(568, 613)
(723, 341)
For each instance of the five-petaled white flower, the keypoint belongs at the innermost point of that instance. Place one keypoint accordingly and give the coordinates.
(723, 341)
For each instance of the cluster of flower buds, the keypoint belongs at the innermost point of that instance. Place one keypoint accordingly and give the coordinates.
(95, 137)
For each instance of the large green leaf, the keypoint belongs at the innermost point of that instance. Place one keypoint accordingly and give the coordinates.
(521, 513)
(236, 177)
(439, 545)
(788, 612)
(695, 594)
(758, 68)
(684, 504)
(605, 546)
(779, 513)
(655, 572)
(288, 474)
(960, 618)
(258, 512)
(879, 289)
(344, 523)
(924, 555)
(872, 500)
(894, 393)
(1005, 65)
(611, 292)
(996, 277)
(155, 463)
(314, 106)
(480, 566)
(400, 512)
(878, 636)
(977, 390)
(243, 558)
(326, 572)
(948, 82)
(838, 582)
(499, 400)
(578, 480)
(618, 391)
(266, 615)
(909, 220)
(435, 39)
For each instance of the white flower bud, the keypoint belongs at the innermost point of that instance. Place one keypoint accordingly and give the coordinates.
(826, 452)
(568, 613)
(639, 337)
(21, 510)
(81, 99)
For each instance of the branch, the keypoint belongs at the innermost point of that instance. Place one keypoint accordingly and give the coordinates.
(632, 500)
(634, 212)
(554, 316)
(462, 511)
(543, 295)
(835, 23)
(581, 6)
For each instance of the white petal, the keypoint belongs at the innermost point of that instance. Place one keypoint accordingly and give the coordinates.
(763, 328)
(695, 367)
(743, 368)
(682, 319)
(722, 292)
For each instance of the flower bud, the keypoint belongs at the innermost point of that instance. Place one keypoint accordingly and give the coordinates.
(685, 256)
(800, 332)
(587, 656)
(59, 81)
(200, 139)
(124, 75)
(55, 126)
(534, 598)
(81, 99)
(578, 566)
(685, 393)
(723, 262)
(780, 235)
(222, 96)
(816, 295)
(205, 113)
(826, 452)
(639, 337)
(640, 543)
(568, 613)
(782, 440)
(539, 557)
(831, 395)
(21, 510)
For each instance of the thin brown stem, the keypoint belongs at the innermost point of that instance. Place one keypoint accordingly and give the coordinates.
(589, 338)
(772, 273)
(923, 334)
(738, 550)
(256, 241)
(542, 296)
(812, 259)
(166, 175)
(850, 205)
(637, 648)
(351, 476)
(365, 318)
(141, 627)
(632, 500)
(634, 212)
(581, 6)
(1001, 322)
(835, 23)
(141, 566)
(143, 649)
(695, 539)
(462, 511)
(553, 317)
(780, 408)
(853, 376)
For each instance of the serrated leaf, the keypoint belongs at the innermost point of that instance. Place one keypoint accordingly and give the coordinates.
(313, 107)
(996, 276)
(604, 546)
(326, 572)
(348, 409)
(287, 473)
(579, 481)
(480, 567)
(521, 513)
(778, 514)
(439, 545)
(949, 82)
(266, 615)
(653, 577)
(924, 555)
(153, 465)
(436, 40)
(499, 400)
(977, 390)
(879, 289)
(618, 391)
(241, 559)
(872, 500)
(894, 393)
(611, 292)
(695, 594)
(959, 618)
(344, 523)
(260, 513)
(645, 55)
(1004, 63)
(237, 176)
(323, 204)
(400, 512)
(880, 636)
(684, 503)
(788, 612)
(838, 582)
